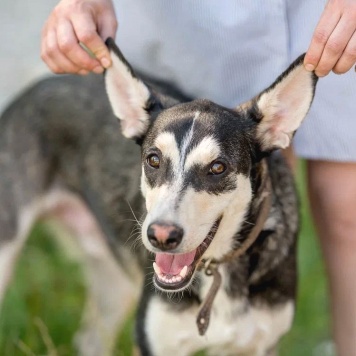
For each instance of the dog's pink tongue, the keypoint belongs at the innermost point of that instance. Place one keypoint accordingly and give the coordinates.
(173, 264)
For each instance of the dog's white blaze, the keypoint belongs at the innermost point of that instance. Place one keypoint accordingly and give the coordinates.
(167, 144)
(187, 141)
(234, 327)
(284, 107)
(128, 97)
(204, 153)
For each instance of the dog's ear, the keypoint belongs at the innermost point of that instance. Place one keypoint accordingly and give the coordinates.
(130, 98)
(281, 108)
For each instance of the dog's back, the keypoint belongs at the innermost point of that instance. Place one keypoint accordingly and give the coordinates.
(61, 135)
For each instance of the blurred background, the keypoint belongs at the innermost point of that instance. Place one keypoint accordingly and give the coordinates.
(43, 306)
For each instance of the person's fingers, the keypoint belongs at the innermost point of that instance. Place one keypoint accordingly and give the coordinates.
(50, 52)
(52, 65)
(59, 62)
(348, 58)
(325, 27)
(73, 36)
(335, 45)
(86, 32)
(69, 46)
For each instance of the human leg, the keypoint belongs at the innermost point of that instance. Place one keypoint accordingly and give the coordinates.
(332, 193)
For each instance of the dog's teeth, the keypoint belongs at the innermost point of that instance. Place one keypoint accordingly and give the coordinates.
(157, 269)
(184, 271)
(170, 279)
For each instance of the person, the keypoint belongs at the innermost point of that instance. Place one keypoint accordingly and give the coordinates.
(228, 51)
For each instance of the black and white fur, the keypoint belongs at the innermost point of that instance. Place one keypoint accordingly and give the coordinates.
(202, 167)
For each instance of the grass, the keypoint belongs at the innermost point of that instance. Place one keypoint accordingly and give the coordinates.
(42, 308)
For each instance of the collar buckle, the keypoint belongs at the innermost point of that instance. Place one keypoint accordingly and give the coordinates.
(209, 266)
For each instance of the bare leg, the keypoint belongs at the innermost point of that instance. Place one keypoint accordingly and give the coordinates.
(332, 192)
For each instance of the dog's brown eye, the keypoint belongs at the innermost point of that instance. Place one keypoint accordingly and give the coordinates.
(153, 161)
(217, 168)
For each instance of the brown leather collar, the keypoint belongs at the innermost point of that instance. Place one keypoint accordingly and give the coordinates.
(210, 267)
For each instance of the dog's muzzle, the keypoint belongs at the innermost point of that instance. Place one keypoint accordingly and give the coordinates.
(174, 272)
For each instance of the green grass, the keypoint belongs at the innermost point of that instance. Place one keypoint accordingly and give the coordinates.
(43, 305)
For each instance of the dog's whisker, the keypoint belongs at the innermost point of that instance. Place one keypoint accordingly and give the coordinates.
(134, 215)
(136, 244)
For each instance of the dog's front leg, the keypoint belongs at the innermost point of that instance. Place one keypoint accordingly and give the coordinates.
(111, 295)
(13, 237)
(8, 254)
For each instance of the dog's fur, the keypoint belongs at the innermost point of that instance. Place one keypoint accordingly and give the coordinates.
(202, 169)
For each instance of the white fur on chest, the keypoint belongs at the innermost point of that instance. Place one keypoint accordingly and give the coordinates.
(235, 327)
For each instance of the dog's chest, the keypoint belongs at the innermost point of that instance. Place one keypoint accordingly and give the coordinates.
(235, 327)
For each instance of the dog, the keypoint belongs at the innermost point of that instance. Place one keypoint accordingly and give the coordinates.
(214, 265)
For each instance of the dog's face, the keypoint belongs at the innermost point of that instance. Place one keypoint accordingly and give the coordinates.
(196, 163)
(195, 177)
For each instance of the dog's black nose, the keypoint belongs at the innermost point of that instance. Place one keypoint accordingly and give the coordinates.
(165, 236)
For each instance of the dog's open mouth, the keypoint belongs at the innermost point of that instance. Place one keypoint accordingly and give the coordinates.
(175, 271)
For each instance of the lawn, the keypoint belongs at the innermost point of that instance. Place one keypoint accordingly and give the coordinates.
(43, 305)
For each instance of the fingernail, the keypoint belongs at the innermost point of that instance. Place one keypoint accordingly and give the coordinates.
(309, 67)
(83, 72)
(106, 63)
(98, 70)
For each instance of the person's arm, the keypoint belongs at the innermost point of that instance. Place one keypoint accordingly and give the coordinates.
(72, 22)
(333, 45)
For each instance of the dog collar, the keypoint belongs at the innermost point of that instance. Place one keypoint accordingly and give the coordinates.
(211, 266)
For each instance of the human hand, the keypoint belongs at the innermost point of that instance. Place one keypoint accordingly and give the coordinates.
(333, 45)
(72, 22)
